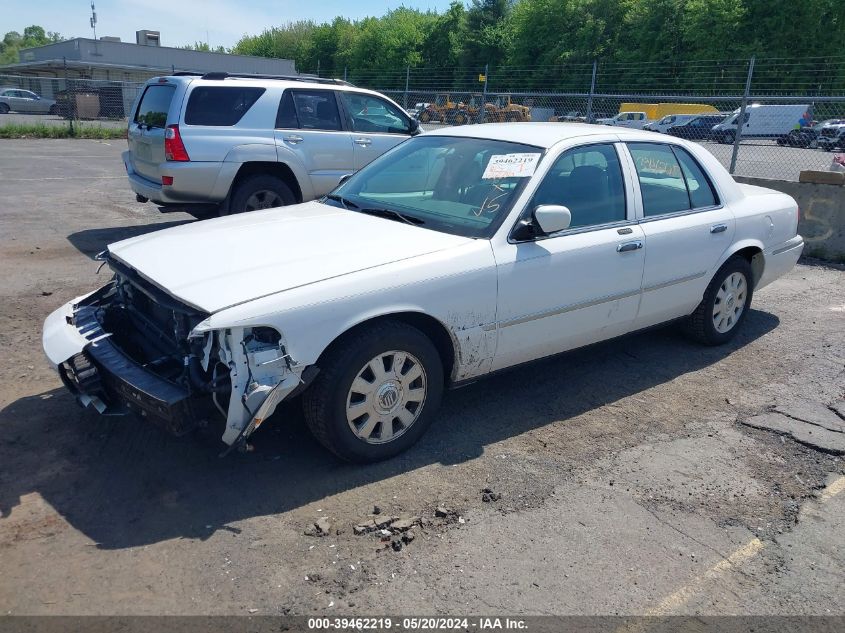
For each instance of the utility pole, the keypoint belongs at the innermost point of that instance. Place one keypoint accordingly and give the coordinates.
(740, 120)
(483, 114)
(407, 81)
(592, 91)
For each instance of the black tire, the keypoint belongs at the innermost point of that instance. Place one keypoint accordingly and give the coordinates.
(700, 324)
(325, 401)
(265, 188)
(4, 108)
(727, 138)
(425, 116)
(54, 109)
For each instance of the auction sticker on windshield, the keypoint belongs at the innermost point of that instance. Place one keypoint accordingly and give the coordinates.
(511, 166)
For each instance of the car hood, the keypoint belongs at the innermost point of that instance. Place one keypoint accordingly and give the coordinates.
(215, 264)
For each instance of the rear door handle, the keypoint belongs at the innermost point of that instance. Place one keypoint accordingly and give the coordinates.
(718, 228)
(629, 246)
(363, 141)
(293, 139)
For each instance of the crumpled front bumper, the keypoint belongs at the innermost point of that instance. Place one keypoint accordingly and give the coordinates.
(101, 375)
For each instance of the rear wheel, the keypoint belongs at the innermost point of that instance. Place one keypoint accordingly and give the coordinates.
(376, 393)
(725, 305)
(425, 116)
(4, 108)
(261, 191)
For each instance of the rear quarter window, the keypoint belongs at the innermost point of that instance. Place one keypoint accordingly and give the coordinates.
(155, 103)
(220, 105)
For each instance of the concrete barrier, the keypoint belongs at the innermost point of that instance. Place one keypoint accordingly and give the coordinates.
(822, 221)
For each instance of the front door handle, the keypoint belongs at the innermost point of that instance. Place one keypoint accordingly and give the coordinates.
(294, 139)
(629, 246)
(363, 142)
(718, 228)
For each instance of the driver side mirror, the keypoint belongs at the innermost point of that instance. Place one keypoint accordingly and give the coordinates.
(551, 218)
(413, 127)
(546, 219)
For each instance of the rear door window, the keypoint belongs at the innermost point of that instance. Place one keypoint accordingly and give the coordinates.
(220, 105)
(317, 110)
(670, 179)
(155, 103)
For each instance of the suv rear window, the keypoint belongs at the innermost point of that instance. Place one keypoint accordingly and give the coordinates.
(220, 105)
(152, 111)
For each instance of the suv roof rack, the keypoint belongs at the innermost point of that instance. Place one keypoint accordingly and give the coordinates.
(227, 75)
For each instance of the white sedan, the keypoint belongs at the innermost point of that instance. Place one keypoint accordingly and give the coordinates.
(459, 253)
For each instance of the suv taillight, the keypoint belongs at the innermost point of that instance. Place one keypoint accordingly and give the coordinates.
(174, 148)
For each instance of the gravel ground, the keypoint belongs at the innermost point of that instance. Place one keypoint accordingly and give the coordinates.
(619, 479)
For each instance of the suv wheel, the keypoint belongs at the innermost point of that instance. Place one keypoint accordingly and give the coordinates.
(4, 108)
(261, 191)
(376, 394)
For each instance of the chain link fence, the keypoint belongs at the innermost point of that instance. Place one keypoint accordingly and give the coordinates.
(767, 118)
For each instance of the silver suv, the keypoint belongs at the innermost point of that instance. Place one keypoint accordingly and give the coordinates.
(246, 142)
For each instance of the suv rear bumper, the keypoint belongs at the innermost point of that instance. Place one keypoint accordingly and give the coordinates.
(193, 182)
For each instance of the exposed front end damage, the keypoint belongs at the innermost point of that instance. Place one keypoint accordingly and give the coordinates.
(131, 347)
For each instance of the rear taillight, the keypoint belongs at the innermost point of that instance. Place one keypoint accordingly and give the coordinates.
(174, 148)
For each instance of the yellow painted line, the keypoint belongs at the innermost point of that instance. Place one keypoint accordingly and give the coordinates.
(832, 490)
(740, 556)
(684, 594)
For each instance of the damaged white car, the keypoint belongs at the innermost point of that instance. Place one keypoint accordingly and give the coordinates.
(454, 255)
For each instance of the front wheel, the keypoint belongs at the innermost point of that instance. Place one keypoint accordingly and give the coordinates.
(725, 305)
(4, 108)
(376, 393)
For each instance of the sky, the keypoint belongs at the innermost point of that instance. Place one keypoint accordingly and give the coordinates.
(187, 21)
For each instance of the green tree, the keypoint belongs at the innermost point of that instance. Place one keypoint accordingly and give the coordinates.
(32, 36)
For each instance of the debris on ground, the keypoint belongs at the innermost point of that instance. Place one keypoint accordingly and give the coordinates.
(488, 495)
(376, 510)
(321, 527)
(441, 511)
(396, 544)
(386, 527)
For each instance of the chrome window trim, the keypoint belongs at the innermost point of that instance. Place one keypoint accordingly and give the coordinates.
(679, 214)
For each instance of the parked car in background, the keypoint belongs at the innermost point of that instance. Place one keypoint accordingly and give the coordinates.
(17, 100)
(831, 137)
(634, 120)
(247, 142)
(763, 121)
(699, 128)
(668, 121)
(458, 253)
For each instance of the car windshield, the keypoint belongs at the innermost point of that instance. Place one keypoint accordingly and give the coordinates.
(464, 186)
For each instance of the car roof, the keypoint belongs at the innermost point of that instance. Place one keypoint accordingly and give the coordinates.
(301, 83)
(538, 134)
